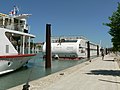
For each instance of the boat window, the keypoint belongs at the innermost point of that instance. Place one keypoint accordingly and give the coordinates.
(1, 22)
(63, 40)
(22, 22)
(18, 24)
(15, 20)
(6, 21)
(80, 47)
(70, 41)
(7, 48)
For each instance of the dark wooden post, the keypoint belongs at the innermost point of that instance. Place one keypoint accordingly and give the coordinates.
(48, 46)
(97, 50)
(106, 50)
(88, 50)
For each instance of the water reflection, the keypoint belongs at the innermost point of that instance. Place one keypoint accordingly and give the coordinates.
(34, 71)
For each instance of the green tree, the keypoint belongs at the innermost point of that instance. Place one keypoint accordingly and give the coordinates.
(115, 28)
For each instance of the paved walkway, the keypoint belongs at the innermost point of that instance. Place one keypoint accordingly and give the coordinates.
(96, 75)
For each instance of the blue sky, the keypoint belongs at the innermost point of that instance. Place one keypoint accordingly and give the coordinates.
(67, 17)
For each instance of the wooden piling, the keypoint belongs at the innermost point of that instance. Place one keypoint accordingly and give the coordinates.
(48, 46)
(88, 50)
(106, 51)
(97, 50)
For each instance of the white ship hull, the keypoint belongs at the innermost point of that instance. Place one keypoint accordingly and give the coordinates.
(13, 62)
(71, 48)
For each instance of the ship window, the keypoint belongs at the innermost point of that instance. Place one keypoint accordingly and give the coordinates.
(8, 63)
(70, 41)
(1, 22)
(6, 21)
(80, 47)
(15, 20)
(7, 48)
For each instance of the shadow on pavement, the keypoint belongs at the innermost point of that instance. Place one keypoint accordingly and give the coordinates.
(109, 81)
(105, 72)
(109, 60)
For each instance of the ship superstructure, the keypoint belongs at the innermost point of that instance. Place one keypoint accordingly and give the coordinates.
(17, 45)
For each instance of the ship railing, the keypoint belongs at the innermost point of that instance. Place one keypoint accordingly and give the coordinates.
(16, 27)
(70, 37)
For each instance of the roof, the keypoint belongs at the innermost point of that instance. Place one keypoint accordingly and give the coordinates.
(22, 16)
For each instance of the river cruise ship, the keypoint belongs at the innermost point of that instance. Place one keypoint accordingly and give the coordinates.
(70, 47)
(16, 42)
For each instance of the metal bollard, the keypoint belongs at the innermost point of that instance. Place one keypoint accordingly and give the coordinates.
(26, 86)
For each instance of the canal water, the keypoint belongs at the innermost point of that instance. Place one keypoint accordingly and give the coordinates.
(36, 69)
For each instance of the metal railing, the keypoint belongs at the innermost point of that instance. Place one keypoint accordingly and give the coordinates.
(16, 27)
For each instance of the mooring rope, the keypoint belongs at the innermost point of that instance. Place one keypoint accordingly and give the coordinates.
(26, 86)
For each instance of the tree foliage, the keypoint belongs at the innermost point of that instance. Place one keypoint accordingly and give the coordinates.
(115, 28)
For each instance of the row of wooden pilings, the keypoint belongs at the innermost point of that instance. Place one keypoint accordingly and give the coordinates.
(48, 52)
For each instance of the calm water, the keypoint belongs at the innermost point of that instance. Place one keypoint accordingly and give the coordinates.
(34, 71)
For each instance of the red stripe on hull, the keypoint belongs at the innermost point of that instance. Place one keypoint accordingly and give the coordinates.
(16, 56)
